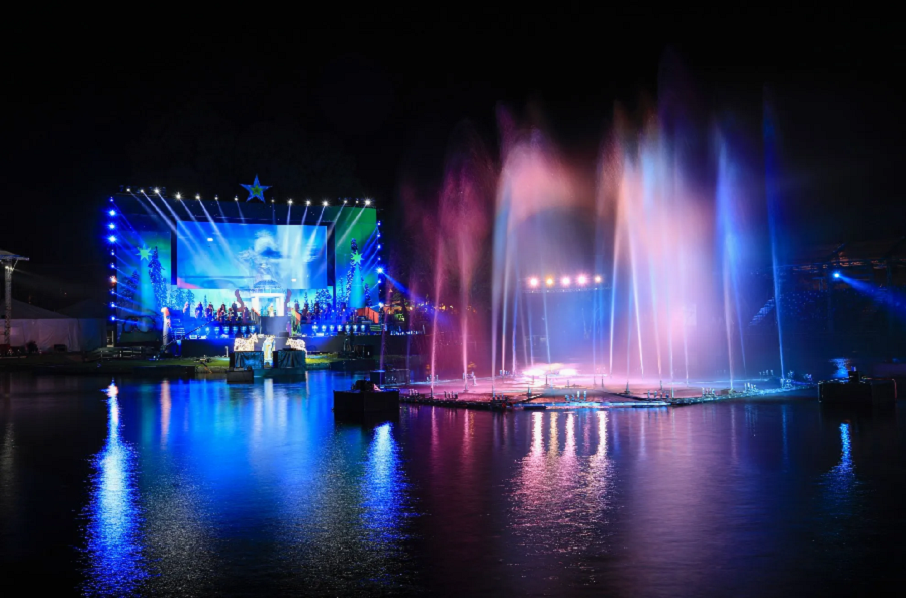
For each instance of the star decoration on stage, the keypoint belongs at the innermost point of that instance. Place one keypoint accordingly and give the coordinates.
(145, 253)
(256, 189)
(356, 258)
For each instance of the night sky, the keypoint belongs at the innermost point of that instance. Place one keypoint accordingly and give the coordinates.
(365, 106)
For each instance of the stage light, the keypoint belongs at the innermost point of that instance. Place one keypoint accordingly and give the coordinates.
(367, 202)
(565, 281)
(549, 282)
(379, 246)
(568, 372)
(290, 202)
(380, 270)
(380, 304)
(111, 226)
(113, 280)
(112, 304)
(112, 212)
(112, 265)
(308, 202)
(113, 318)
(197, 196)
(141, 191)
(533, 281)
(236, 198)
(216, 197)
(112, 292)
(210, 239)
(344, 201)
(178, 196)
(156, 190)
(128, 190)
(112, 252)
(324, 203)
(581, 279)
(598, 278)
(111, 239)
(836, 275)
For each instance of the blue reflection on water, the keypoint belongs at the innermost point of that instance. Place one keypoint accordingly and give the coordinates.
(383, 486)
(113, 535)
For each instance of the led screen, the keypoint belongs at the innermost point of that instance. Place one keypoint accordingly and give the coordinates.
(244, 256)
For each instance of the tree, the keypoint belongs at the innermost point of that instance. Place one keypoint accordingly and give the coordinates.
(156, 275)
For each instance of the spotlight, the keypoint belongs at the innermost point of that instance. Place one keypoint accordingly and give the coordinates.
(112, 212)
(216, 197)
(197, 196)
(533, 281)
(379, 246)
(111, 226)
(113, 318)
(598, 278)
(178, 196)
(308, 202)
(210, 239)
(324, 203)
(113, 279)
(344, 201)
(381, 304)
(142, 191)
(157, 191)
(836, 275)
(128, 190)
(380, 270)
(581, 279)
(112, 239)
(112, 265)
(236, 198)
(290, 202)
(549, 282)
(565, 281)
(367, 202)
(112, 305)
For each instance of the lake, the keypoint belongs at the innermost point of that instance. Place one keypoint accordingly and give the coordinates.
(187, 488)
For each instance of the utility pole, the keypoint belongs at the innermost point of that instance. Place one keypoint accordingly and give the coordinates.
(9, 264)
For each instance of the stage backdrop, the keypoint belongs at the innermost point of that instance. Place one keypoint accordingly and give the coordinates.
(168, 253)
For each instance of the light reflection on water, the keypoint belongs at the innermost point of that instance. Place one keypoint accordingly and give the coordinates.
(560, 499)
(200, 488)
(114, 538)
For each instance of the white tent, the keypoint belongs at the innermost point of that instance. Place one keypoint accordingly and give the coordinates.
(92, 317)
(46, 328)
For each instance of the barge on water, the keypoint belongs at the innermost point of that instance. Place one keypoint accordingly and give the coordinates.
(365, 399)
(857, 391)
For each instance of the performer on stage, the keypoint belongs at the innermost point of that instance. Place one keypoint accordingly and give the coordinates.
(199, 311)
(234, 313)
(209, 312)
(221, 313)
(187, 310)
(165, 311)
(246, 314)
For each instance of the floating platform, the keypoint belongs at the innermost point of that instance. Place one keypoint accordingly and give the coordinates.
(361, 403)
(858, 392)
(237, 376)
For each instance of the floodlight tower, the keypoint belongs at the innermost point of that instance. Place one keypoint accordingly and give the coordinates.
(9, 264)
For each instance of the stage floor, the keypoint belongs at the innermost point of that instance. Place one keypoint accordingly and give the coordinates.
(588, 388)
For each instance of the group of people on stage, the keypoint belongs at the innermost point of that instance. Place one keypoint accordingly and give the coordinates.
(224, 314)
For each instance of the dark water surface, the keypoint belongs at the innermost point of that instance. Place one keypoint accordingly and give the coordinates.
(199, 488)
